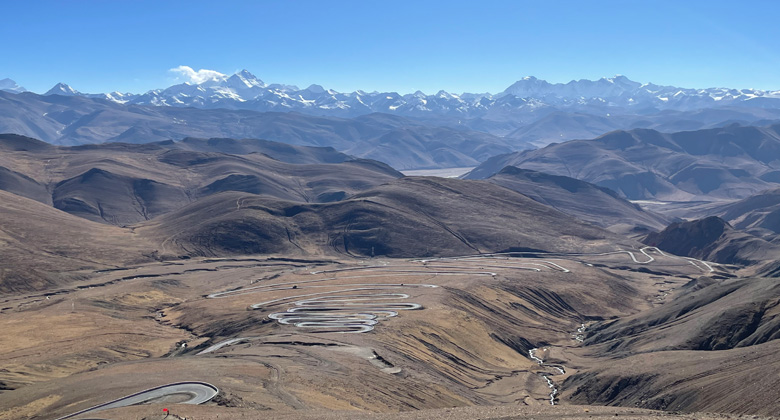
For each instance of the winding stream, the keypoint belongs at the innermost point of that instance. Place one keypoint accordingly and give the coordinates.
(546, 375)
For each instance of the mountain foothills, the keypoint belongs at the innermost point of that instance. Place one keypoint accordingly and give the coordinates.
(122, 184)
(711, 338)
(234, 249)
(725, 163)
(269, 197)
(43, 247)
(758, 214)
(713, 239)
(455, 217)
(582, 200)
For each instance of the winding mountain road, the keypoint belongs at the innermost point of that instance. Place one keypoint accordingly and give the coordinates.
(343, 308)
(358, 307)
(706, 266)
(178, 392)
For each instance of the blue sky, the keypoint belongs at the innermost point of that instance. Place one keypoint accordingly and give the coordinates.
(474, 46)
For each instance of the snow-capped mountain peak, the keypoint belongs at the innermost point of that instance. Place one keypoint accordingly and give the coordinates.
(244, 80)
(528, 86)
(246, 74)
(62, 89)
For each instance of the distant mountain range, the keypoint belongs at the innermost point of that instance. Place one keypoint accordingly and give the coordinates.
(408, 131)
(245, 91)
(398, 141)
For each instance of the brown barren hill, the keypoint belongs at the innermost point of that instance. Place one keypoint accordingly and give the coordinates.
(43, 247)
(729, 163)
(122, 184)
(409, 217)
(585, 201)
(713, 239)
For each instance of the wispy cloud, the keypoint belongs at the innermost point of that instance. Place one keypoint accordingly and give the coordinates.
(190, 75)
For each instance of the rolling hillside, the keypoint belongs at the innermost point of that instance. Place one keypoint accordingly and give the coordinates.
(724, 163)
(121, 184)
(600, 206)
(409, 217)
